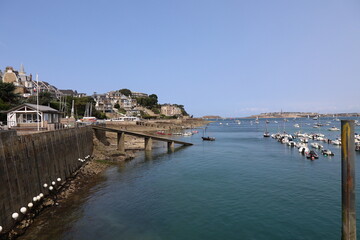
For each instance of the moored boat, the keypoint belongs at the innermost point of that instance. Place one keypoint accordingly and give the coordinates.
(312, 155)
(327, 152)
(333, 129)
(208, 138)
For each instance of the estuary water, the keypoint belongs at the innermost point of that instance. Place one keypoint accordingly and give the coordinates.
(241, 186)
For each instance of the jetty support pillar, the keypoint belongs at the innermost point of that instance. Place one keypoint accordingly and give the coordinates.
(348, 180)
(171, 145)
(121, 141)
(148, 143)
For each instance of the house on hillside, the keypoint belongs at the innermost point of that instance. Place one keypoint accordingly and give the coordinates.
(170, 110)
(26, 116)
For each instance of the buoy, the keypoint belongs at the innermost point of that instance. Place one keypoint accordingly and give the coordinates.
(0, 229)
(51, 188)
(15, 215)
(38, 198)
(34, 199)
(23, 210)
(59, 179)
(41, 195)
(53, 183)
(30, 205)
(45, 185)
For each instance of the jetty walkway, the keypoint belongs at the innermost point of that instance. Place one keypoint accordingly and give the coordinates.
(148, 138)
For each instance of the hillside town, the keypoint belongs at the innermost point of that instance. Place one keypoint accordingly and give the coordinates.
(57, 106)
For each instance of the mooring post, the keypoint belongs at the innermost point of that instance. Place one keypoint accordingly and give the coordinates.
(171, 145)
(348, 180)
(148, 143)
(121, 141)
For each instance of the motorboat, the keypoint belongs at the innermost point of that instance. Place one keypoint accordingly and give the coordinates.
(187, 134)
(336, 142)
(266, 134)
(296, 125)
(304, 150)
(327, 152)
(208, 138)
(316, 145)
(333, 129)
(312, 155)
(291, 144)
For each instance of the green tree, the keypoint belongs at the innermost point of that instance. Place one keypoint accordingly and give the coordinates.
(148, 102)
(7, 94)
(125, 91)
(45, 98)
(8, 98)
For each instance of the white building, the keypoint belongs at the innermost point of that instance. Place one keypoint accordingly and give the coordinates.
(27, 116)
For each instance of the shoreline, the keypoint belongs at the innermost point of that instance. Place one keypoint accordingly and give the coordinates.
(105, 154)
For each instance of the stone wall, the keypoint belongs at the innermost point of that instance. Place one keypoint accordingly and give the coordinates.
(29, 161)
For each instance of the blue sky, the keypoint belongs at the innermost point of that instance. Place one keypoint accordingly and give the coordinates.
(229, 58)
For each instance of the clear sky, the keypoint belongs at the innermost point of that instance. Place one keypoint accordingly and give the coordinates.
(224, 57)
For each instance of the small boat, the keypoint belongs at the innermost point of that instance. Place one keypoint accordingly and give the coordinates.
(208, 138)
(312, 155)
(304, 150)
(333, 129)
(296, 125)
(316, 145)
(336, 142)
(266, 133)
(187, 134)
(357, 147)
(291, 144)
(327, 152)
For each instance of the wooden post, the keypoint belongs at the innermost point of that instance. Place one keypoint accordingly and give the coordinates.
(348, 180)
(121, 141)
(148, 143)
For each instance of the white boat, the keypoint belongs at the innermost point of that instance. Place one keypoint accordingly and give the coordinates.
(304, 150)
(333, 129)
(291, 144)
(296, 125)
(316, 145)
(336, 142)
(187, 134)
(327, 152)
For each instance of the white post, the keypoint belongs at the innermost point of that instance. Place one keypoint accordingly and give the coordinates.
(72, 110)
(37, 102)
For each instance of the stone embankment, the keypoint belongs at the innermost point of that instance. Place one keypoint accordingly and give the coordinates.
(35, 166)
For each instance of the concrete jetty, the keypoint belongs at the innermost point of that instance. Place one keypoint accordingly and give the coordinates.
(148, 138)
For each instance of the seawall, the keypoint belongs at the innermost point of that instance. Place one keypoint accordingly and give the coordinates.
(28, 162)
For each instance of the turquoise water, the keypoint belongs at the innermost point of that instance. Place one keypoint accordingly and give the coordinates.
(241, 186)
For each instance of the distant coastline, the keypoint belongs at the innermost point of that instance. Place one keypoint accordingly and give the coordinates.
(287, 115)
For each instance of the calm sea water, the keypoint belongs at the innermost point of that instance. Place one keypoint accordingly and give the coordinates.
(241, 186)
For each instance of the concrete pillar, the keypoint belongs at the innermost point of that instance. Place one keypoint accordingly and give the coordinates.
(171, 145)
(148, 144)
(121, 141)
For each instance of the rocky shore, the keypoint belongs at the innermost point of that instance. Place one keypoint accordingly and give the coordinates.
(104, 155)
